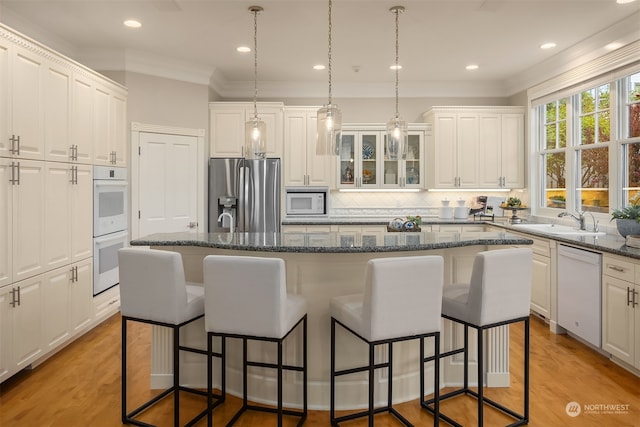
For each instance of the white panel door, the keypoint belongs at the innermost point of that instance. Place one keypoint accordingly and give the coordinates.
(26, 102)
(6, 232)
(57, 113)
(6, 327)
(56, 306)
(118, 128)
(81, 213)
(513, 150)
(81, 296)
(5, 118)
(82, 118)
(168, 183)
(491, 151)
(27, 322)
(29, 211)
(101, 138)
(467, 150)
(57, 225)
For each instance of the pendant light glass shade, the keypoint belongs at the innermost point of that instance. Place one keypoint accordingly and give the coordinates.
(329, 138)
(329, 130)
(397, 139)
(397, 133)
(255, 130)
(255, 141)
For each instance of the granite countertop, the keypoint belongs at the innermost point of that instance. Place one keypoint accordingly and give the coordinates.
(608, 243)
(332, 242)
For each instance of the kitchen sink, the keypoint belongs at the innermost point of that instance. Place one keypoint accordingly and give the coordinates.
(558, 230)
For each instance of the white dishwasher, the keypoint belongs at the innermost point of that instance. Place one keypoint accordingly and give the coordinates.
(579, 292)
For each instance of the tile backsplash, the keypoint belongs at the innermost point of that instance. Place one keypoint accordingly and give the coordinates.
(390, 204)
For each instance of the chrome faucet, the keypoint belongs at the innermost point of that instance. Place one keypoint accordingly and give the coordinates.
(579, 218)
(222, 215)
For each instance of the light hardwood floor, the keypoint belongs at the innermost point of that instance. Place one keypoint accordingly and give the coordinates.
(80, 386)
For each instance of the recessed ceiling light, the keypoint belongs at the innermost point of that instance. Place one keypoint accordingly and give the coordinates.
(472, 67)
(243, 49)
(319, 67)
(549, 45)
(613, 46)
(624, 1)
(395, 67)
(132, 23)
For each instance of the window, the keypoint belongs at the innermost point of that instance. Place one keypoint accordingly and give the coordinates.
(592, 189)
(553, 156)
(630, 147)
(578, 135)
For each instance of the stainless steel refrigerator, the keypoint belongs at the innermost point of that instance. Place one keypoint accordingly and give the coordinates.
(245, 194)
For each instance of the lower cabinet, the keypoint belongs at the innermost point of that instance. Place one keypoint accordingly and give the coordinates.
(621, 309)
(67, 293)
(40, 314)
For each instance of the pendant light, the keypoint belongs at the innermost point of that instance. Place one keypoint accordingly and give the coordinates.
(255, 146)
(329, 118)
(397, 135)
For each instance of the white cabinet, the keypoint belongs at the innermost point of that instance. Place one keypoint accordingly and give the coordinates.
(109, 126)
(26, 109)
(57, 112)
(227, 121)
(68, 222)
(24, 316)
(6, 226)
(502, 154)
(363, 164)
(475, 147)
(82, 118)
(621, 309)
(5, 101)
(106, 304)
(302, 167)
(453, 149)
(67, 302)
(28, 218)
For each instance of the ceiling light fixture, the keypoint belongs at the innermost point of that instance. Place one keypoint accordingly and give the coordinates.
(397, 132)
(549, 45)
(255, 129)
(319, 67)
(329, 118)
(471, 67)
(132, 23)
(624, 1)
(243, 49)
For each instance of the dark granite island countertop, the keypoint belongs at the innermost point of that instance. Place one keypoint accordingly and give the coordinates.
(332, 242)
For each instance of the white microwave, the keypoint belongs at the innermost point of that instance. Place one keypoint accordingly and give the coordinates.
(309, 201)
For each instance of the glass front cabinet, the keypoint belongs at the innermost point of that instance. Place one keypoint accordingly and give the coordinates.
(363, 163)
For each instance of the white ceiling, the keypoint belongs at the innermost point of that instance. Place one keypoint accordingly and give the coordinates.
(196, 40)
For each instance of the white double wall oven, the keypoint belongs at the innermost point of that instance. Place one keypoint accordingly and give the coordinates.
(110, 224)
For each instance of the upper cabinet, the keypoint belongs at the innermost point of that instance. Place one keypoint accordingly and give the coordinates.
(109, 125)
(227, 121)
(476, 147)
(363, 164)
(302, 166)
(54, 109)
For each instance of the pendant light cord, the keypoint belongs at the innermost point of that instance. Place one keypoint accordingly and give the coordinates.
(397, 12)
(330, 28)
(255, 11)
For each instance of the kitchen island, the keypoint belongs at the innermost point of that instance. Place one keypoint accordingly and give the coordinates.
(320, 266)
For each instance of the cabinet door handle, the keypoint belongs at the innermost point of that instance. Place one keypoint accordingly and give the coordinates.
(635, 292)
(629, 297)
(616, 268)
(15, 144)
(12, 181)
(16, 181)
(15, 301)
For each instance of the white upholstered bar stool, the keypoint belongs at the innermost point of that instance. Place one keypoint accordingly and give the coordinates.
(402, 300)
(246, 298)
(153, 290)
(499, 294)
